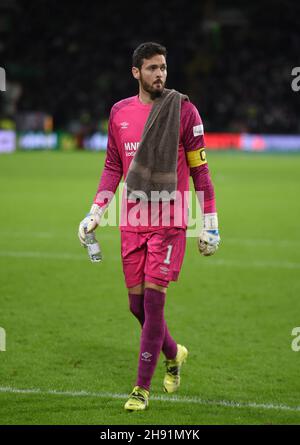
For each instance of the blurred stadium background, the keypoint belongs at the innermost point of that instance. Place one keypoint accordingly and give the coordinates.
(66, 64)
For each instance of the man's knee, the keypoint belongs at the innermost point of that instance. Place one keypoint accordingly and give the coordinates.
(137, 290)
(149, 285)
(140, 288)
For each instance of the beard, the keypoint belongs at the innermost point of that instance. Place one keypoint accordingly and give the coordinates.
(153, 90)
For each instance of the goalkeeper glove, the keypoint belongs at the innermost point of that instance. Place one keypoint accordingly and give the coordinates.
(209, 238)
(89, 223)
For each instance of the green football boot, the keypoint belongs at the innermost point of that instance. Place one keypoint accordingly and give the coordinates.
(172, 376)
(138, 400)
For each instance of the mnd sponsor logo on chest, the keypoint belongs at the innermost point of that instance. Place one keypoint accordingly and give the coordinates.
(131, 148)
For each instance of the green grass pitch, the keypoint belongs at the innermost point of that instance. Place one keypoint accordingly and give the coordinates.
(71, 342)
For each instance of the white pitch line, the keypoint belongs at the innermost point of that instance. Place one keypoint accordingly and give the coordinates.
(110, 236)
(264, 242)
(247, 264)
(171, 399)
(207, 262)
(58, 235)
(43, 255)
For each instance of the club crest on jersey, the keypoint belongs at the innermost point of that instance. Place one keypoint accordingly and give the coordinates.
(124, 125)
(198, 130)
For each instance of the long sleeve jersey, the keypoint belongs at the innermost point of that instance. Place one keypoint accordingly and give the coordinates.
(126, 125)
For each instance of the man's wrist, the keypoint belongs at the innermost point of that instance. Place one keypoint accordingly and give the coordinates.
(97, 211)
(210, 221)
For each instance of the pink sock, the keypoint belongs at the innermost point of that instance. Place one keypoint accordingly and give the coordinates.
(152, 337)
(136, 306)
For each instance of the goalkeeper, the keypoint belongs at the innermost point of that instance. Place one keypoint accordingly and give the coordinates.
(152, 252)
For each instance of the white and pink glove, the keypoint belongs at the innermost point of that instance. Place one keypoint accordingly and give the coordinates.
(209, 238)
(90, 223)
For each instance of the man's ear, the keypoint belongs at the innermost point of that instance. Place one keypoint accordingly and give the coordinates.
(135, 72)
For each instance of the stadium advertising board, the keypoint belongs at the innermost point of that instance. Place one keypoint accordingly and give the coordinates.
(98, 141)
(7, 141)
(270, 142)
(38, 141)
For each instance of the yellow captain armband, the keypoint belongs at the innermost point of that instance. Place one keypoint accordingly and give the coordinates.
(196, 157)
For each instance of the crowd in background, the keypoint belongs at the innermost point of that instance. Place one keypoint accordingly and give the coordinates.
(72, 60)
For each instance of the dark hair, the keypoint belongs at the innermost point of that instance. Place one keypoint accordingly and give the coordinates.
(146, 51)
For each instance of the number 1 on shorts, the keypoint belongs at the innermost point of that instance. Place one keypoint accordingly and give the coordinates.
(167, 259)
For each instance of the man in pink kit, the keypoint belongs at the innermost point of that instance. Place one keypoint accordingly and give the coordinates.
(153, 231)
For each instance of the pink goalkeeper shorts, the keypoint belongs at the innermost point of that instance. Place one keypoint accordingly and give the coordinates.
(155, 256)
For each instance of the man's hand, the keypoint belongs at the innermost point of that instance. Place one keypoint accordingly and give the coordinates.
(89, 223)
(209, 238)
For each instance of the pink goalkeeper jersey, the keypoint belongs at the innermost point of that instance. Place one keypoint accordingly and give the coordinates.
(126, 124)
